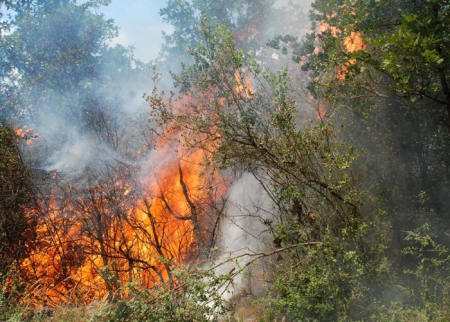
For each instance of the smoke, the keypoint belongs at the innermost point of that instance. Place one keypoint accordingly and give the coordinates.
(248, 206)
(154, 160)
(75, 154)
(102, 122)
(244, 233)
(105, 135)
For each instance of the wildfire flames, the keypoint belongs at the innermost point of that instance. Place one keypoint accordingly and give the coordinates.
(137, 224)
(352, 43)
(243, 87)
(89, 241)
(25, 133)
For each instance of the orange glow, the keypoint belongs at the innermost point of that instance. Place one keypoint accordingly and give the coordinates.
(25, 133)
(243, 87)
(321, 111)
(90, 241)
(352, 43)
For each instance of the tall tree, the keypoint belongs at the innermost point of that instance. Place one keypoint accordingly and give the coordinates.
(54, 47)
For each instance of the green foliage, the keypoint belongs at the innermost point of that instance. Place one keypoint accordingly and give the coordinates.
(426, 295)
(16, 225)
(339, 278)
(12, 307)
(196, 297)
(324, 284)
(407, 43)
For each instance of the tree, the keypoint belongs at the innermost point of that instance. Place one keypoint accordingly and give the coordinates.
(406, 42)
(387, 62)
(53, 49)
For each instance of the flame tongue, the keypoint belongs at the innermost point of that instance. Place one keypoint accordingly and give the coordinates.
(352, 43)
(244, 87)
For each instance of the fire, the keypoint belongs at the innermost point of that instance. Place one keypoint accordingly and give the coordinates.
(137, 225)
(352, 43)
(25, 133)
(244, 87)
(89, 241)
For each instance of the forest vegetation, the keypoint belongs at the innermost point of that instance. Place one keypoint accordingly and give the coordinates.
(278, 161)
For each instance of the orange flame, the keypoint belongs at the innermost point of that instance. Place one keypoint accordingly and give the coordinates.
(92, 240)
(243, 87)
(352, 43)
(25, 133)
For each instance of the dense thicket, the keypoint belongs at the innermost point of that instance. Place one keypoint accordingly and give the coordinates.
(383, 69)
(394, 90)
(16, 190)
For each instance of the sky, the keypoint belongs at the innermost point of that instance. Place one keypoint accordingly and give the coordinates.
(140, 25)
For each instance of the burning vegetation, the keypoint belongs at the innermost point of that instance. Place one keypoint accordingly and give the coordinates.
(304, 177)
(90, 241)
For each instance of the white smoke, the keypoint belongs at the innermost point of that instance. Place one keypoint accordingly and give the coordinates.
(243, 232)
